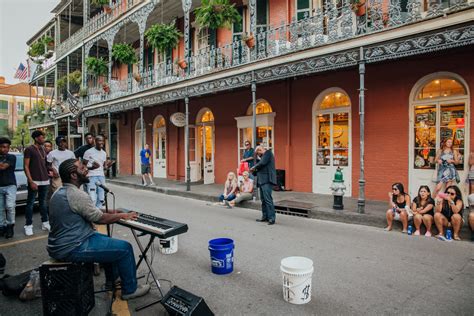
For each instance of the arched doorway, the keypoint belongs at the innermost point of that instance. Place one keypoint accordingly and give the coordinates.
(265, 127)
(159, 147)
(439, 109)
(205, 145)
(138, 145)
(332, 139)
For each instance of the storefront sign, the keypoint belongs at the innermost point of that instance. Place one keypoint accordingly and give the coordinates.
(178, 119)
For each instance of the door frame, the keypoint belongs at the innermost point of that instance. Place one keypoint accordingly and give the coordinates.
(137, 166)
(315, 111)
(437, 102)
(157, 130)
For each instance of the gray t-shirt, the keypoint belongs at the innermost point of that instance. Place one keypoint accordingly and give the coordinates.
(71, 214)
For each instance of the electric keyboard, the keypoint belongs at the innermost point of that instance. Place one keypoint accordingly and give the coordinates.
(156, 226)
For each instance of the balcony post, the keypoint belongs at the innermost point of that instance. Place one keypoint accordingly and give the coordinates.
(142, 134)
(186, 140)
(68, 132)
(254, 112)
(85, 10)
(187, 9)
(67, 73)
(253, 16)
(361, 199)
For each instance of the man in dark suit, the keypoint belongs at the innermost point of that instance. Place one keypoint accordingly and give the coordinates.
(266, 179)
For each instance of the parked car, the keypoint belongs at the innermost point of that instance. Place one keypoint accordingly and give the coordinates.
(21, 181)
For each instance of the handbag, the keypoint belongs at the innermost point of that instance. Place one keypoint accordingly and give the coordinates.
(243, 166)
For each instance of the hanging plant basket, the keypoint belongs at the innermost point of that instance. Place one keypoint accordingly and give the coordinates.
(107, 9)
(249, 40)
(137, 77)
(163, 37)
(124, 54)
(106, 88)
(182, 64)
(215, 14)
(96, 66)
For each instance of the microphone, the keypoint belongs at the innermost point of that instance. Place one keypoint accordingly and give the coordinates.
(100, 185)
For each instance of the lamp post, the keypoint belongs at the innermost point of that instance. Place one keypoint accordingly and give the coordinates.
(22, 139)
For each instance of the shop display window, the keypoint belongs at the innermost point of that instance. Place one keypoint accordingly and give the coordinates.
(425, 137)
(332, 139)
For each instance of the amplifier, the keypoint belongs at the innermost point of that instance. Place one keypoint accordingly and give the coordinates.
(66, 288)
(180, 302)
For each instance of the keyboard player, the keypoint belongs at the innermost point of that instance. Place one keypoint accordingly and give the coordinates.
(73, 239)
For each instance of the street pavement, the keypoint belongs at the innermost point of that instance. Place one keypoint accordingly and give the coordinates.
(359, 270)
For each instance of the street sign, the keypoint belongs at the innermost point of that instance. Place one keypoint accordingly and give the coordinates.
(178, 119)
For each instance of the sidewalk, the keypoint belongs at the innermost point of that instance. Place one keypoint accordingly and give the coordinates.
(316, 205)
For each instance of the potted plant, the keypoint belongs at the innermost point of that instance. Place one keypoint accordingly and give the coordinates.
(96, 66)
(124, 53)
(137, 77)
(358, 7)
(163, 37)
(83, 92)
(48, 41)
(181, 63)
(106, 87)
(105, 5)
(249, 40)
(36, 49)
(215, 14)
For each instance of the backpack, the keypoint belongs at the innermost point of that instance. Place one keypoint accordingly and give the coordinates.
(13, 285)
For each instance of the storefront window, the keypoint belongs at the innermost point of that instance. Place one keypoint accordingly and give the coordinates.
(441, 88)
(207, 117)
(262, 107)
(425, 137)
(336, 99)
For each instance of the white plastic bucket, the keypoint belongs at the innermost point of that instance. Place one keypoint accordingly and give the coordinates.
(169, 245)
(297, 274)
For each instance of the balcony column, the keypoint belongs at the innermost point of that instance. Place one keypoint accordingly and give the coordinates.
(253, 26)
(187, 9)
(140, 18)
(361, 199)
(68, 132)
(110, 43)
(186, 145)
(142, 134)
(85, 10)
(67, 73)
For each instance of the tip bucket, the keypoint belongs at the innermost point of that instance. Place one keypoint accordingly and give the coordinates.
(297, 274)
(222, 255)
(168, 246)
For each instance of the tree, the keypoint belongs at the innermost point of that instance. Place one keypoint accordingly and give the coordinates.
(16, 138)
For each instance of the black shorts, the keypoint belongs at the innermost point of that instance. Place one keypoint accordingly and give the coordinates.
(145, 168)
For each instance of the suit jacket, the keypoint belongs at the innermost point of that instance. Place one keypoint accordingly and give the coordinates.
(265, 169)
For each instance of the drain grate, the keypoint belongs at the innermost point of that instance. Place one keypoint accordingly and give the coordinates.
(293, 208)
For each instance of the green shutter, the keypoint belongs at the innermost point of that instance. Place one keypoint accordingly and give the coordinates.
(3, 106)
(262, 8)
(212, 38)
(3, 127)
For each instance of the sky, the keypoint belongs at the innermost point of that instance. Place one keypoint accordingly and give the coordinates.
(19, 21)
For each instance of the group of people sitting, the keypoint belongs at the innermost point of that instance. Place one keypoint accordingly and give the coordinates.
(236, 191)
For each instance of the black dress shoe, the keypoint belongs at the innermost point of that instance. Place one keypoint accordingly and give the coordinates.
(9, 231)
(271, 223)
(262, 220)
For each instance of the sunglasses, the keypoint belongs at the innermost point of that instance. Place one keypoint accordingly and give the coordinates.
(452, 193)
(394, 189)
(247, 144)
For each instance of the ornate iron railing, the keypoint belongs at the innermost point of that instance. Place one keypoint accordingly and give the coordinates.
(326, 26)
(95, 23)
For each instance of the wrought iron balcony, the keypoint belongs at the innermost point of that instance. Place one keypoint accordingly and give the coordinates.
(332, 25)
(98, 21)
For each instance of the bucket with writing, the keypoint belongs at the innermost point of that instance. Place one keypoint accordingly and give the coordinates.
(297, 274)
(222, 255)
(169, 245)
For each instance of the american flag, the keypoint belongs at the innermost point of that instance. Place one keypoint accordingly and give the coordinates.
(21, 72)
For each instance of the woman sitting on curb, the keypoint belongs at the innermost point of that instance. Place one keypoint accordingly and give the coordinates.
(230, 188)
(449, 208)
(423, 210)
(246, 190)
(399, 200)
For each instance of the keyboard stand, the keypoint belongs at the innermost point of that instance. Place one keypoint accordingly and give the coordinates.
(143, 257)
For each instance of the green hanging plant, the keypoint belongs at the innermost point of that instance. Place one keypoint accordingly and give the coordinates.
(96, 66)
(36, 49)
(48, 41)
(61, 83)
(75, 78)
(99, 3)
(163, 37)
(124, 54)
(215, 14)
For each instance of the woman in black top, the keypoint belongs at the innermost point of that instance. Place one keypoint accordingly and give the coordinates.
(423, 210)
(398, 207)
(449, 207)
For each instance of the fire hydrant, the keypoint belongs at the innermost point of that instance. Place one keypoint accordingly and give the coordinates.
(338, 189)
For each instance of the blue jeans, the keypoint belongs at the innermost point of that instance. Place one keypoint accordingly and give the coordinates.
(7, 203)
(230, 197)
(96, 193)
(268, 209)
(30, 201)
(115, 252)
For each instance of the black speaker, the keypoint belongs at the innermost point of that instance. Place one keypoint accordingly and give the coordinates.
(67, 288)
(180, 302)
(280, 177)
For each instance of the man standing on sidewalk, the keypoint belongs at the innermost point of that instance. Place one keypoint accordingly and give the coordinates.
(88, 145)
(38, 181)
(55, 158)
(145, 155)
(266, 179)
(96, 161)
(7, 188)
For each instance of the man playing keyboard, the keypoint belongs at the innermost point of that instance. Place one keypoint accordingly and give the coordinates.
(73, 239)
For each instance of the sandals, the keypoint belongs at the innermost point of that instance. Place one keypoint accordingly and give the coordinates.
(417, 233)
(428, 234)
(456, 238)
(387, 229)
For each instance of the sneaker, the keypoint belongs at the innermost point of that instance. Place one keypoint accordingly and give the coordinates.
(144, 184)
(441, 237)
(417, 233)
(152, 183)
(46, 226)
(428, 234)
(28, 230)
(140, 291)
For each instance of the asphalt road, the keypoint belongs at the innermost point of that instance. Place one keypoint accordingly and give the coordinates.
(358, 269)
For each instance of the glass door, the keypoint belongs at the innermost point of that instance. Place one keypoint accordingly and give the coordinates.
(159, 170)
(208, 153)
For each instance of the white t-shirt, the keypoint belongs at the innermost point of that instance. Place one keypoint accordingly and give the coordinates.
(100, 157)
(56, 157)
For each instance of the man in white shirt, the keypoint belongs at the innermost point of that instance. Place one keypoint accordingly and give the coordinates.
(54, 159)
(96, 161)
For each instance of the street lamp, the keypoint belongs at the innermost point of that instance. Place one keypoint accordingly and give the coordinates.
(22, 139)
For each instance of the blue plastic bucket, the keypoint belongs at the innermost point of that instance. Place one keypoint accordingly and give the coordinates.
(222, 255)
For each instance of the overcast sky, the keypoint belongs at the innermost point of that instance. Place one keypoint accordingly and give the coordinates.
(19, 21)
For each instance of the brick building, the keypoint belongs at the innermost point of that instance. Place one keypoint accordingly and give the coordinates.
(304, 77)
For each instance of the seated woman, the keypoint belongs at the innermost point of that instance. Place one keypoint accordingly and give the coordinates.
(423, 210)
(399, 200)
(246, 190)
(449, 208)
(470, 219)
(230, 188)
